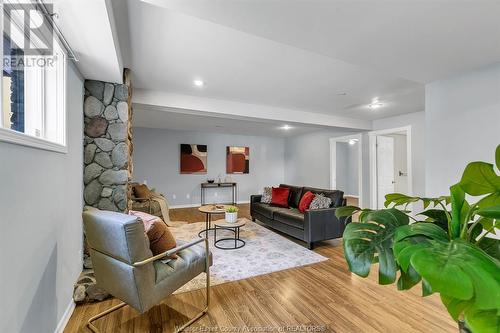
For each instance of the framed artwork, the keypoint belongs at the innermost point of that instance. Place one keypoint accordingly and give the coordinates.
(237, 159)
(193, 159)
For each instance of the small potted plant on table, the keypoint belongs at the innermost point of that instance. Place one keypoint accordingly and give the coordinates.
(231, 214)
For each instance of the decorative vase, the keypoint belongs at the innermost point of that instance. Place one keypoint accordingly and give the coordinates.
(231, 217)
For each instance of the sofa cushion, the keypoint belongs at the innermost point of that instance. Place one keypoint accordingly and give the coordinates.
(265, 209)
(306, 200)
(267, 195)
(336, 196)
(320, 202)
(295, 195)
(280, 197)
(292, 217)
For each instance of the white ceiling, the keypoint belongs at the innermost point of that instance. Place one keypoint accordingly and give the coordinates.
(283, 56)
(89, 26)
(169, 49)
(420, 40)
(176, 119)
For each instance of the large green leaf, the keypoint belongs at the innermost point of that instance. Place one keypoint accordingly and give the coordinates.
(479, 178)
(399, 199)
(455, 306)
(490, 200)
(373, 235)
(426, 229)
(491, 246)
(490, 212)
(482, 321)
(497, 157)
(459, 210)
(346, 211)
(408, 279)
(460, 270)
(436, 216)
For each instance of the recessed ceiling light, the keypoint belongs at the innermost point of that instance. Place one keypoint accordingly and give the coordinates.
(353, 141)
(198, 83)
(286, 127)
(375, 105)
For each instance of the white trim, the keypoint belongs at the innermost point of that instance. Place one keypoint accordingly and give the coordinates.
(198, 205)
(10, 136)
(373, 160)
(65, 318)
(333, 163)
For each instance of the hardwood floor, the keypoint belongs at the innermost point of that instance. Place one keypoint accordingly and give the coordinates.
(325, 295)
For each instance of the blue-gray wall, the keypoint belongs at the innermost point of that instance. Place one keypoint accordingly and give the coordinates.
(41, 227)
(156, 160)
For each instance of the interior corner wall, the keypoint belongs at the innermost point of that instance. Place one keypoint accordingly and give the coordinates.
(307, 159)
(41, 238)
(157, 154)
(462, 125)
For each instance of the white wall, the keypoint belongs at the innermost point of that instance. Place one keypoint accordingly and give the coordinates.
(341, 165)
(418, 138)
(307, 159)
(156, 160)
(347, 168)
(41, 227)
(352, 170)
(462, 125)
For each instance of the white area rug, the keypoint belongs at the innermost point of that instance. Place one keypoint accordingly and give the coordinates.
(265, 252)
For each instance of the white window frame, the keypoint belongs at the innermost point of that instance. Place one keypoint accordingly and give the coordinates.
(23, 139)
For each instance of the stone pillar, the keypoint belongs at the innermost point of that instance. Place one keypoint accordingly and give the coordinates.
(107, 145)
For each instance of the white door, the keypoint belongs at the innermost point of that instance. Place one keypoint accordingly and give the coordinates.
(385, 168)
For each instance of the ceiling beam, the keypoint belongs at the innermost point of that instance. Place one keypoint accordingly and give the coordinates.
(159, 100)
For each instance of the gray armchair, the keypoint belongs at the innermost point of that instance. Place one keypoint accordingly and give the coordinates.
(125, 267)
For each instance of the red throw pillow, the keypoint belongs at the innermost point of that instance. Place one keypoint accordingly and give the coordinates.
(280, 196)
(306, 200)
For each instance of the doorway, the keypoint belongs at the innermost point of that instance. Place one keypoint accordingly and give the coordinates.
(390, 164)
(346, 167)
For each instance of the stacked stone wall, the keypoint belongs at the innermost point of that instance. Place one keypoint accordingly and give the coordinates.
(107, 145)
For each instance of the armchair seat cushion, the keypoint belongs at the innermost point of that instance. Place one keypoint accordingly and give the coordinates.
(292, 217)
(190, 259)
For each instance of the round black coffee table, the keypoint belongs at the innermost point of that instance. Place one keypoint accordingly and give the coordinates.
(235, 228)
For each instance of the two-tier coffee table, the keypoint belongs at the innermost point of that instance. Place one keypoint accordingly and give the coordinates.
(210, 210)
(235, 228)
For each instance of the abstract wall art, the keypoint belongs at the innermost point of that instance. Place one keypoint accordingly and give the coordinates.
(237, 159)
(193, 159)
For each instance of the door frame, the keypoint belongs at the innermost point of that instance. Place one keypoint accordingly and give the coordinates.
(333, 162)
(372, 137)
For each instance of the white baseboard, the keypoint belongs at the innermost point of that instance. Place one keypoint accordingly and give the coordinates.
(65, 318)
(198, 205)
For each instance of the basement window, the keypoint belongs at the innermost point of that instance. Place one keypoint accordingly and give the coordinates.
(33, 87)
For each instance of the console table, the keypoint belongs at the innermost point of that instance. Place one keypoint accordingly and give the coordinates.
(204, 186)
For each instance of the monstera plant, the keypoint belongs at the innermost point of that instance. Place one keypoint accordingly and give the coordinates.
(449, 247)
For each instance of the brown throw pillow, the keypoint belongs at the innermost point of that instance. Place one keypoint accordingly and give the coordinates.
(160, 238)
(142, 192)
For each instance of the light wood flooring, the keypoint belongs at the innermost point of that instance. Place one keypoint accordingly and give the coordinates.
(325, 295)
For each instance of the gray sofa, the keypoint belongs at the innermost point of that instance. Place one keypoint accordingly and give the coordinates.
(311, 226)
